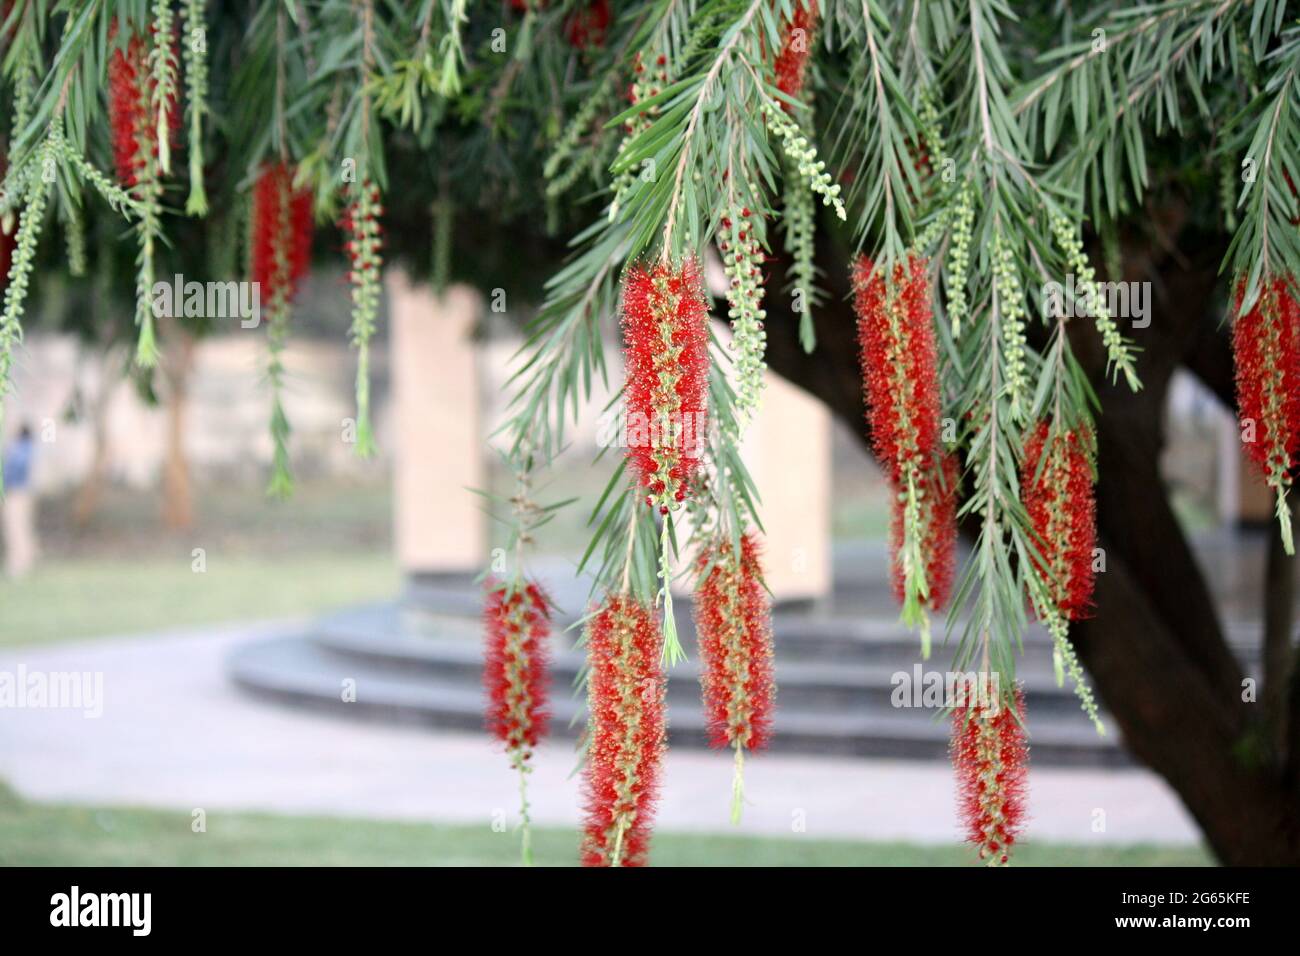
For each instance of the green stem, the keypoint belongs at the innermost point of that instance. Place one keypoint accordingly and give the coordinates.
(673, 651)
(738, 785)
(525, 824)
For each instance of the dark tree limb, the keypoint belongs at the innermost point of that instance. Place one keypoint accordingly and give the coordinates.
(1155, 647)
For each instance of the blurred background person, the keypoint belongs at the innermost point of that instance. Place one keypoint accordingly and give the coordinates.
(19, 505)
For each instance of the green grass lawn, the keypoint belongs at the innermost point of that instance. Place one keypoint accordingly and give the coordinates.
(92, 597)
(55, 835)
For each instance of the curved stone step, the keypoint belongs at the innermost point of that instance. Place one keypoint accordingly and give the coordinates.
(378, 638)
(297, 670)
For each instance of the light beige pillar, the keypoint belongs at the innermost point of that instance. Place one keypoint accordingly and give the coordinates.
(438, 447)
(788, 452)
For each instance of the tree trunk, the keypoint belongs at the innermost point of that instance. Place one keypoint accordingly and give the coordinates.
(1155, 647)
(177, 364)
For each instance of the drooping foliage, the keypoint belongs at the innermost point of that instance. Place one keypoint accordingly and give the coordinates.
(972, 173)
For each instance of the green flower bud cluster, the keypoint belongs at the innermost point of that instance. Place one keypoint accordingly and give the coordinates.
(1118, 354)
(1228, 192)
(16, 173)
(196, 89)
(929, 237)
(559, 182)
(1011, 316)
(648, 83)
(800, 229)
(743, 256)
(74, 236)
(118, 199)
(957, 265)
(163, 69)
(24, 255)
(931, 129)
(24, 90)
(803, 155)
(365, 249)
(1067, 662)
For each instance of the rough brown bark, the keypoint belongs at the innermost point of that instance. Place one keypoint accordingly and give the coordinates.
(177, 364)
(1155, 647)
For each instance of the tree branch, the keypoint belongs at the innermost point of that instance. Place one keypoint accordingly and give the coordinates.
(1279, 613)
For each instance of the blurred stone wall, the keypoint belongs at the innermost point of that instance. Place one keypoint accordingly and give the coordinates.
(57, 384)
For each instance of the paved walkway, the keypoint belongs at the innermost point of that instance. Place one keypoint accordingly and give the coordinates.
(175, 733)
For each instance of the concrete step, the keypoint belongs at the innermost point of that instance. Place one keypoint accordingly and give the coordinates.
(378, 638)
(298, 670)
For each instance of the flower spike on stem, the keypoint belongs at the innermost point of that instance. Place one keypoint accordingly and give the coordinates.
(517, 622)
(990, 758)
(1266, 351)
(734, 628)
(625, 703)
(665, 330)
(364, 247)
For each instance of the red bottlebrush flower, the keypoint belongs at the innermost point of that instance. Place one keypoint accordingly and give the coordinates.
(797, 38)
(281, 234)
(625, 698)
(899, 363)
(587, 27)
(301, 227)
(733, 623)
(1057, 490)
(1266, 349)
(665, 331)
(991, 760)
(517, 622)
(938, 541)
(130, 110)
(128, 107)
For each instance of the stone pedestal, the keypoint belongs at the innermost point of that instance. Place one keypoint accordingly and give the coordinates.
(788, 452)
(438, 447)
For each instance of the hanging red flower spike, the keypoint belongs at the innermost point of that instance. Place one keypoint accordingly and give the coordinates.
(899, 363)
(939, 489)
(517, 623)
(1062, 512)
(588, 26)
(281, 225)
(130, 108)
(797, 37)
(666, 354)
(625, 699)
(734, 626)
(1266, 350)
(991, 760)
